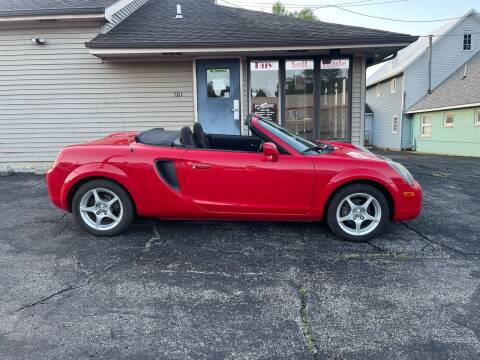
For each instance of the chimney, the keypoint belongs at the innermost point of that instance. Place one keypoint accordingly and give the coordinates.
(179, 12)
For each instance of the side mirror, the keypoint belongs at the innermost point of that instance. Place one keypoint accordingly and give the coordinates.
(270, 151)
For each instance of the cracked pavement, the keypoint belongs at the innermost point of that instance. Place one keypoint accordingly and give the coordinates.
(244, 290)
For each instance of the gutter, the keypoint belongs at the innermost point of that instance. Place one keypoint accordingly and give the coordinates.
(451, 107)
(183, 49)
(53, 14)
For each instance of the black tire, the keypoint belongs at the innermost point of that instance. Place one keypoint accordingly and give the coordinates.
(343, 193)
(126, 218)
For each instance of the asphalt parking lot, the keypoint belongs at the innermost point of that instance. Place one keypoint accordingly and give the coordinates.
(241, 290)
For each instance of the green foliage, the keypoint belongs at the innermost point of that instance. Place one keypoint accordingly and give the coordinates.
(305, 14)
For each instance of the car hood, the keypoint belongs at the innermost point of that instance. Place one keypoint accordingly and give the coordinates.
(346, 150)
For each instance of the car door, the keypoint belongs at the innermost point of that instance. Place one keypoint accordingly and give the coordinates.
(248, 182)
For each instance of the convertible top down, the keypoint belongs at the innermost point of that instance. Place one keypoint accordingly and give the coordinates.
(271, 174)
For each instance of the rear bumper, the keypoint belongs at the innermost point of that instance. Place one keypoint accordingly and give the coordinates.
(55, 179)
(408, 201)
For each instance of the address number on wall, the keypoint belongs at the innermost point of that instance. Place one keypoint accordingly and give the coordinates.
(177, 94)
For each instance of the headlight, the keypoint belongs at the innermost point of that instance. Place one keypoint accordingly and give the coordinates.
(402, 171)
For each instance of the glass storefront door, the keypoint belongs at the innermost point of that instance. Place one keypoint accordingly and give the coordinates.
(264, 86)
(334, 99)
(299, 97)
(310, 97)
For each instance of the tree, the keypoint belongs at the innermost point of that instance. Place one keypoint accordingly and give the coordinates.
(279, 9)
(305, 14)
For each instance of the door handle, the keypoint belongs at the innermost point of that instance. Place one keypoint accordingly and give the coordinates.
(201, 166)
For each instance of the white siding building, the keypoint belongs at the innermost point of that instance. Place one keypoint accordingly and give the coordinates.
(77, 73)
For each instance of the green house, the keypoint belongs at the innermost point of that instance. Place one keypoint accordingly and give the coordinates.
(447, 121)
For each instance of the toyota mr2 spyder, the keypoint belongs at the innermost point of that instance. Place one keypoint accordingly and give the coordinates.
(270, 175)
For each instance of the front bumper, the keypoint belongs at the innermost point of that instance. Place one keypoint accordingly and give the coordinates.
(408, 201)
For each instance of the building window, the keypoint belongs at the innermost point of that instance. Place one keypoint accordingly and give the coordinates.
(477, 117)
(264, 98)
(448, 120)
(299, 97)
(467, 41)
(425, 126)
(393, 86)
(335, 85)
(378, 90)
(395, 125)
(218, 83)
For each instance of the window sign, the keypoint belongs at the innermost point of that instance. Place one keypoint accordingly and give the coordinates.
(218, 83)
(264, 65)
(335, 64)
(299, 65)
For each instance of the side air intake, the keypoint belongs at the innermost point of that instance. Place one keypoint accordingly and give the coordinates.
(168, 173)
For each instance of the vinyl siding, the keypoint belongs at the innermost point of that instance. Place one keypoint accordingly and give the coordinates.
(447, 56)
(384, 108)
(358, 100)
(58, 94)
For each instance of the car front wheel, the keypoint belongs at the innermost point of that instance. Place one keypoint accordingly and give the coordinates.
(358, 212)
(103, 208)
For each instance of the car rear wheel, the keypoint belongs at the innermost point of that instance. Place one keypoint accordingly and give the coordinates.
(103, 208)
(358, 212)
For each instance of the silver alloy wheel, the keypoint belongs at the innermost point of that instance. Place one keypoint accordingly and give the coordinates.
(359, 214)
(101, 209)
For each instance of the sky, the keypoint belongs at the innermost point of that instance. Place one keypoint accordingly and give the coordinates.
(401, 9)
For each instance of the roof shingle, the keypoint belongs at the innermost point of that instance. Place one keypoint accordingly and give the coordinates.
(457, 90)
(207, 24)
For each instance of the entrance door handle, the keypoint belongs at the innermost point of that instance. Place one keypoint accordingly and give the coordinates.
(201, 166)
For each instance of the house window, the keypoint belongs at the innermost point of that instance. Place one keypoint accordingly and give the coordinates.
(467, 41)
(395, 125)
(218, 83)
(425, 126)
(378, 90)
(448, 120)
(477, 117)
(393, 86)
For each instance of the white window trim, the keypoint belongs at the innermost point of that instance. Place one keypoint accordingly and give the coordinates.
(395, 117)
(393, 85)
(467, 32)
(378, 90)
(445, 117)
(422, 125)
(476, 119)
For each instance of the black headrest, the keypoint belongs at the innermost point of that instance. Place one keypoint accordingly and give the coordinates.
(199, 136)
(186, 137)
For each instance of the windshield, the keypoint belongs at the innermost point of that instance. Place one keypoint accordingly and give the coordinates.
(298, 143)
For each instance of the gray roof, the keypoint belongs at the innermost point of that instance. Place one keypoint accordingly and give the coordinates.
(407, 56)
(455, 91)
(50, 7)
(207, 24)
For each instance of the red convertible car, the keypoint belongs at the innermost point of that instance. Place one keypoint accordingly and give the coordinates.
(270, 175)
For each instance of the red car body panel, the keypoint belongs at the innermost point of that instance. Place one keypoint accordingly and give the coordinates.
(216, 184)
